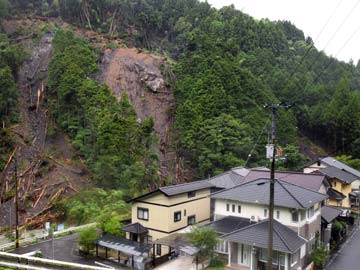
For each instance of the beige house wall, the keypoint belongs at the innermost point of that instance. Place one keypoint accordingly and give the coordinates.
(344, 189)
(162, 208)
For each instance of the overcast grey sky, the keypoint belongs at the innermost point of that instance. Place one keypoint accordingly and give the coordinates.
(311, 16)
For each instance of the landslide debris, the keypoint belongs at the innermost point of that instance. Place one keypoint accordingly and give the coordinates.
(47, 165)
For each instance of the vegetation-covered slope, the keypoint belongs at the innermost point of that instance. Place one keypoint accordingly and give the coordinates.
(228, 66)
(116, 147)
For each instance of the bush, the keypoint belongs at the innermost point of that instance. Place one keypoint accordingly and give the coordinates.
(216, 262)
(319, 256)
(87, 240)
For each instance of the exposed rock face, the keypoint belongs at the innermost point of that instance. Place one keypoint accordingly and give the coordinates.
(140, 76)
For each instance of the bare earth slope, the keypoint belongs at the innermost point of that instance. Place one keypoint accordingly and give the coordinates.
(141, 76)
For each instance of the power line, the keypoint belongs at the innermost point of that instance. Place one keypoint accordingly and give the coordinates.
(338, 52)
(312, 45)
(342, 23)
(256, 143)
(332, 37)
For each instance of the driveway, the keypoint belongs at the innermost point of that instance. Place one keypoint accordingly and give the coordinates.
(347, 258)
(180, 263)
(64, 249)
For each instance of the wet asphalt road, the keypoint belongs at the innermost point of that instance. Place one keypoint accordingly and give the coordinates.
(348, 257)
(65, 249)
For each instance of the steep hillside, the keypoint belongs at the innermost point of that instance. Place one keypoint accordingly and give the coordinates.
(147, 81)
(47, 166)
(136, 120)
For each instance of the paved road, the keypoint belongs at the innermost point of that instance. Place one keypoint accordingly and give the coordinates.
(65, 249)
(348, 257)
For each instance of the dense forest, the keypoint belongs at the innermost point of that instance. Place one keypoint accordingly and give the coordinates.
(228, 65)
(11, 57)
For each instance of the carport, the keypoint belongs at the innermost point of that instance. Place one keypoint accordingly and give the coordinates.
(124, 251)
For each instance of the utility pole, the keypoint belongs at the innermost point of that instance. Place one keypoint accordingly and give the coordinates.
(16, 204)
(273, 108)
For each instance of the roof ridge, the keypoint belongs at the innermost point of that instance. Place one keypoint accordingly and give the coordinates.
(227, 172)
(236, 186)
(290, 193)
(183, 184)
(308, 189)
(247, 227)
(280, 236)
(288, 172)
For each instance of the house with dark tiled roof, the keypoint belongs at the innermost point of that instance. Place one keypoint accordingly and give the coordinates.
(166, 211)
(241, 218)
(341, 185)
(332, 162)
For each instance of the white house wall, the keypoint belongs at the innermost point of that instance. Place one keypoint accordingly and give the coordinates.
(257, 211)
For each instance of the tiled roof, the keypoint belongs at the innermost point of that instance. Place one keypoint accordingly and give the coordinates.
(177, 189)
(335, 195)
(136, 228)
(184, 188)
(341, 174)
(226, 180)
(311, 181)
(329, 213)
(335, 163)
(257, 192)
(229, 224)
(284, 239)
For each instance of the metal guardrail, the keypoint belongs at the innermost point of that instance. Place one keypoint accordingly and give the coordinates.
(40, 263)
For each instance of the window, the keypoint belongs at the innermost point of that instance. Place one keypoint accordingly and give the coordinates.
(191, 194)
(334, 184)
(239, 209)
(177, 216)
(265, 212)
(295, 216)
(143, 213)
(233, 208)
(222, 247)
(158, 249)
(184, 212)
(276, 256)
(310, 212)
(191, 220)
(227, 207)
(278, 214)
